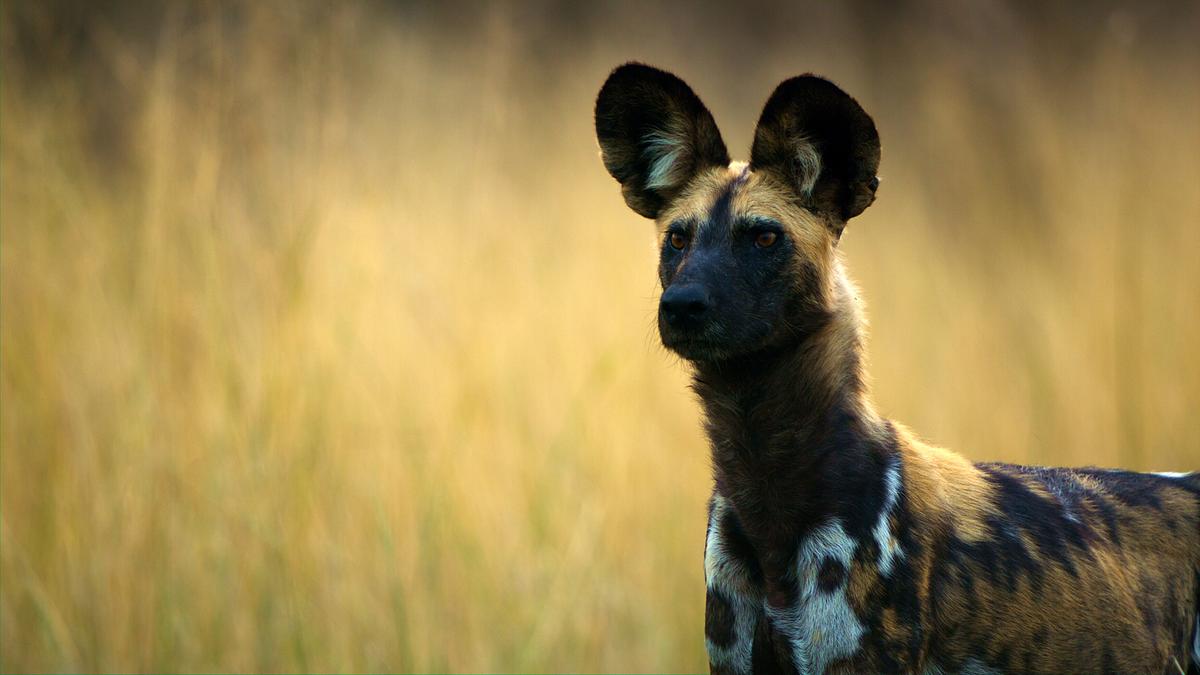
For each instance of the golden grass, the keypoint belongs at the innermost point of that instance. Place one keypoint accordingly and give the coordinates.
(327, 344)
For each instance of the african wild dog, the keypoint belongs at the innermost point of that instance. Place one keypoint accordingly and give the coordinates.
(837, 541)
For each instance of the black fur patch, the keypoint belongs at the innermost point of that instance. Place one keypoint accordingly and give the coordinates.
(718, 618)
(772, 654)
(1107, 661)
(737, 546)
(1138, 490)
(831, 575)
(1044, 521)
(720, 216)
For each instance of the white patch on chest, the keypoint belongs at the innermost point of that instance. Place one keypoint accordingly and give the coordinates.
(1196, 642)
(728, 576)
(889, 549)
(820, 626)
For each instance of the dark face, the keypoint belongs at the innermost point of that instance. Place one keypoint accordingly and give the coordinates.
(739, 273)
(747, 261)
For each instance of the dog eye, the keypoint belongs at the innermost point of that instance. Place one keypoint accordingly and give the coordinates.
(766, 239)
(678, 241)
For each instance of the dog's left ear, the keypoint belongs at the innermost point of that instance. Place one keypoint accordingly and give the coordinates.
(819, 141)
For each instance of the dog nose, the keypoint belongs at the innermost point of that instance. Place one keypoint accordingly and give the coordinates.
(684, 306)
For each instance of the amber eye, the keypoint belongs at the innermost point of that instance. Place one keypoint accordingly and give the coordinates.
(678, 241)
(765, 239)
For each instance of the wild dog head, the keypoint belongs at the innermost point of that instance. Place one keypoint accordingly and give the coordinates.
(748, 250)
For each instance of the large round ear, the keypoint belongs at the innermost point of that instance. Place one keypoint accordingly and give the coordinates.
(655, 135)
(818, 140)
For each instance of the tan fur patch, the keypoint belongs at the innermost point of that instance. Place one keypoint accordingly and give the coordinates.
(947, 487)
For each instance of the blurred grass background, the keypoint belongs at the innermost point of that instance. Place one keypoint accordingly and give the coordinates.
(328, 345)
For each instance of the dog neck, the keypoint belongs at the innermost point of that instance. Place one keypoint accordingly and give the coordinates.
(796, 441)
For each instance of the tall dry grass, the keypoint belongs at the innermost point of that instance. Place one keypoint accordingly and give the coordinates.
(327, 344)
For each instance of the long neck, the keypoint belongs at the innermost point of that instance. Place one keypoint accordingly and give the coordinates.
(795, 438)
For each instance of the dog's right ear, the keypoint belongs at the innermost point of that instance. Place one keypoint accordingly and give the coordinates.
(655, 135)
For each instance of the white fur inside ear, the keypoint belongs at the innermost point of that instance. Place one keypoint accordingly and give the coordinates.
(669, 153)
(808, 161)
